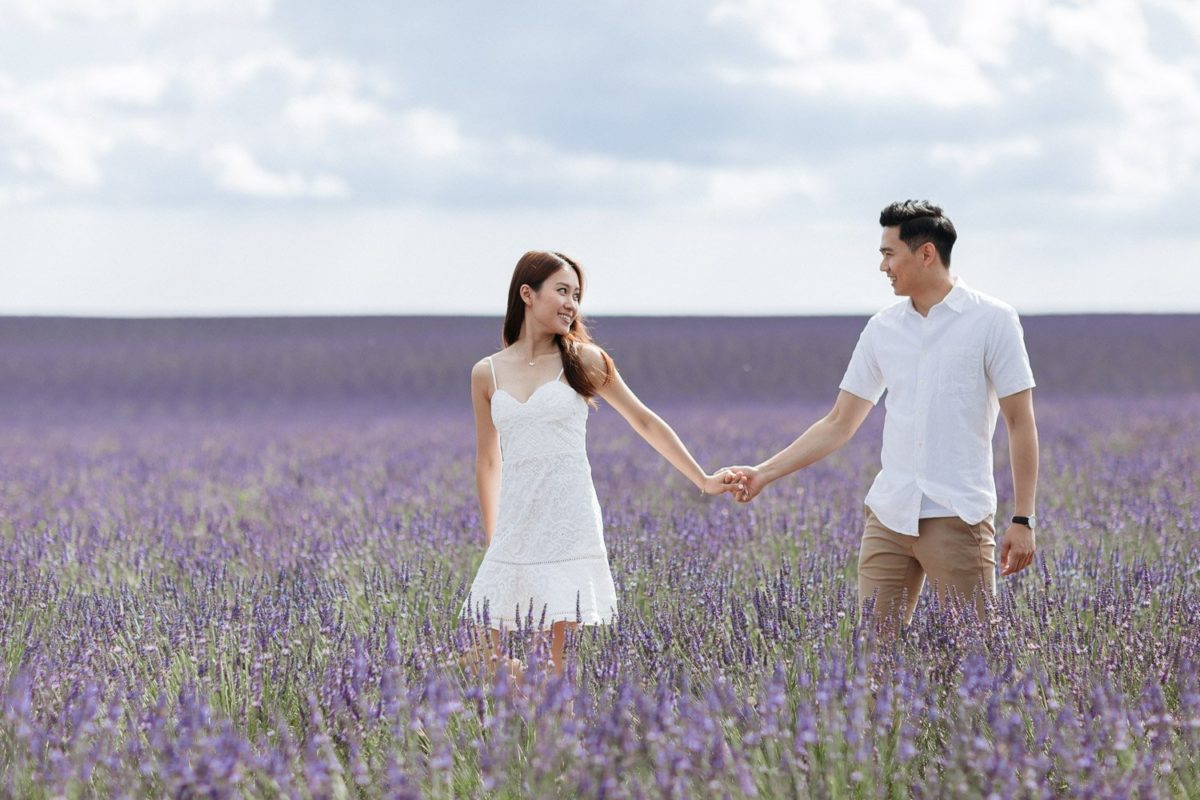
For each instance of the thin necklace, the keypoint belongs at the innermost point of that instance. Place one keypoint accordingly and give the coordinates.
(533, 357)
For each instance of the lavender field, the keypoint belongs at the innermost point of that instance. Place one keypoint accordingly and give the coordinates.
(232, 554)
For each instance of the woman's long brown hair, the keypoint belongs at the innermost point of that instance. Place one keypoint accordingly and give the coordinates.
(533, 269)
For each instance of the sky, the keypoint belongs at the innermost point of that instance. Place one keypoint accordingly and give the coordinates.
(262, 157)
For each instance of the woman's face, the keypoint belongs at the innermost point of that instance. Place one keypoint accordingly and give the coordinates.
(555, 305)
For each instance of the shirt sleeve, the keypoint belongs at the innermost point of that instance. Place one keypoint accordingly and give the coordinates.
(1006, 361)
(863, 377)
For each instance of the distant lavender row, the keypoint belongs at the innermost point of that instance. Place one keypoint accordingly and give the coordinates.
(131, 368)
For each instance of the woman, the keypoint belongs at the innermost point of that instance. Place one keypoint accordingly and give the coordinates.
(546, 558)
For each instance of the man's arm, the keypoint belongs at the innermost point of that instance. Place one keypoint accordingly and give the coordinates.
(824, 436)
(1019, 544)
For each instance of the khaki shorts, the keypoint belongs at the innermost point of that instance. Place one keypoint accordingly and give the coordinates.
(958, 558)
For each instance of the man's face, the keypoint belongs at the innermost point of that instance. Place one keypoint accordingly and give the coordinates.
(902, 267)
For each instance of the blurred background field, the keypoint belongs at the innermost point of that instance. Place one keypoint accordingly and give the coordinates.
(234, 550)
(217, 368)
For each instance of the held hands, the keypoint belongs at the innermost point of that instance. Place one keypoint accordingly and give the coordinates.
(745, 482)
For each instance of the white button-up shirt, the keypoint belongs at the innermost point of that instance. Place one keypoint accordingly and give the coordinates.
(943, 374)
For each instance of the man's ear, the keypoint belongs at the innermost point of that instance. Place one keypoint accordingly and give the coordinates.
(929, 253)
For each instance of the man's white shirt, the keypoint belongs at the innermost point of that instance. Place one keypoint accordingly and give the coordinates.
(943, 374)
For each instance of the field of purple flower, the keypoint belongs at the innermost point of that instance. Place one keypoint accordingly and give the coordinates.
(232, 553)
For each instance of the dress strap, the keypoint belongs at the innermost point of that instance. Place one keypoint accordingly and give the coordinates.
(495, 385)
(561, 372)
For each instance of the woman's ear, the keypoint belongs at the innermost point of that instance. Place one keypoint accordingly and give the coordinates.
(527, 293)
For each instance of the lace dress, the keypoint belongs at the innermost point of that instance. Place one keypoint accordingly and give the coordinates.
(548, 550)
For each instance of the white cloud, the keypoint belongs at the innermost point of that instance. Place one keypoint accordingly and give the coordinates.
(328, 109)
(887, 52)
(863, 50)
(236, 171)
(1157, 148)
(600, 179)
(428, 132)
(758, 188)
(593, 177)
(16, 195)
(1151, 150)
(794, 31)
(1186, 11)
(65, 125)
(130, 84)
(969, 159)
(213, 80)
(54, 14)
(282, 61)
(1107, 26)
(884, 81)
(989, 30)
(67, 149)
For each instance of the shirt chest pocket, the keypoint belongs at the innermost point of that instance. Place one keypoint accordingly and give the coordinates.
(962, 372)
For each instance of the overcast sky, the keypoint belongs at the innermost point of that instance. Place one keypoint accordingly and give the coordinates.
(730, 156)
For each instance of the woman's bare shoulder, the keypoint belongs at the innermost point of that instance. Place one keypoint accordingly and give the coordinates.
(481, 371)
(594, 359)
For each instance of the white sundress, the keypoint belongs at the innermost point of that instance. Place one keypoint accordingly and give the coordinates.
(548, 550)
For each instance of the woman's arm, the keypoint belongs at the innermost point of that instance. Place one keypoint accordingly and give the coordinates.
(651, 427)
(487, 450)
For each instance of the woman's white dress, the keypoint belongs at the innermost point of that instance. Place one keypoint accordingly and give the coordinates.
(547, 552)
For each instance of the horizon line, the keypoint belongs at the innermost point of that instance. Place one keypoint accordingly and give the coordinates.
(475, 315)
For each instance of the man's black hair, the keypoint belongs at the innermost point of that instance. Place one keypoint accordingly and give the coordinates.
(920, 221)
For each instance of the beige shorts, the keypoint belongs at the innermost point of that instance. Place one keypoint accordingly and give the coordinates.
(958, 558)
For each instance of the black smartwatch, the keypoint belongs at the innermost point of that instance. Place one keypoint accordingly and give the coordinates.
(1029, 522)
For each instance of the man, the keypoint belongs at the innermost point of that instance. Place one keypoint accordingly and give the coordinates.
(949, 358)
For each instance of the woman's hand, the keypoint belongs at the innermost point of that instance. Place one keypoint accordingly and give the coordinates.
(720, 482)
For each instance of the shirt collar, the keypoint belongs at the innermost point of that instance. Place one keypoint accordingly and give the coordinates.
(955, 299)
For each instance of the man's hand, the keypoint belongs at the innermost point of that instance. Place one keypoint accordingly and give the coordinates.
(749, 482)
(1017, 549)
